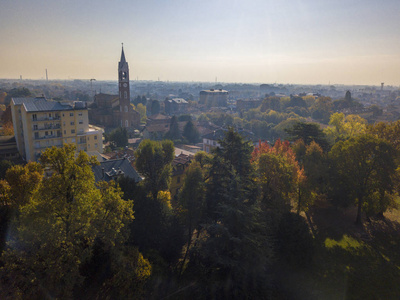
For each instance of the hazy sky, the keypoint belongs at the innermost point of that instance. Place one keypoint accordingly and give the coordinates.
(264, 41)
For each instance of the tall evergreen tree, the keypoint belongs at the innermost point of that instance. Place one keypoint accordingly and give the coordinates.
(191, 133)
(231, 262)
(174, 132)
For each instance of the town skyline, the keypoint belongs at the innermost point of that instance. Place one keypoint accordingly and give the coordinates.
(353, 43)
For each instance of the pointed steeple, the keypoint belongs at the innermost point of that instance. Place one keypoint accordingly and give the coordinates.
(122, 55)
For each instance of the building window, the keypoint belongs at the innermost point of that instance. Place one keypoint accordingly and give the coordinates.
(88, 146)
(72, 130)
(73, 140)
(34, 117)
(72, 123)
(71, 114)
(125, 95)
(35, 127)
(80, 114)
(126, 123)
(81, 122)
(95, 145)
(65, 132)
(36, 135)
(95, 137)
(126, 108)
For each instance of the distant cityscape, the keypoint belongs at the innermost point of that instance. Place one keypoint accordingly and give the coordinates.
(85, 89)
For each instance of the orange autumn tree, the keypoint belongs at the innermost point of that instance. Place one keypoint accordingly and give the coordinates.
(281, 180)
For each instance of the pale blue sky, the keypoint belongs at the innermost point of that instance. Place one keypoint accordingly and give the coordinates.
(303, 41)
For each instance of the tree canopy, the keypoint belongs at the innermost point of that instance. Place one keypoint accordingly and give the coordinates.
(364, 166)
(118, 137)
(153, 161)
(63, 219)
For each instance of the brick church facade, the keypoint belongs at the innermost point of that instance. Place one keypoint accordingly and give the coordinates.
(115, 110)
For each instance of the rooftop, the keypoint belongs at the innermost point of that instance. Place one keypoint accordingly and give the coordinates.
(42, 104)
(108, 170)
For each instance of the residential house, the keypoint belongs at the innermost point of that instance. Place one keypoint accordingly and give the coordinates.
(115, 168)
(176, 106)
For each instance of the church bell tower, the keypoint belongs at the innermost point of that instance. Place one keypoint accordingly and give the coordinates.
(124, 92)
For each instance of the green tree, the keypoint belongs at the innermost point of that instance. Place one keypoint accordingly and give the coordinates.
(363, 166)
(119, 137)
(192, 204)
(237, 151)
(322, 109)
(204, 159)
(58, 227)
(314, 162)
(191, 133)
(343, 127)
(155, 107)
(22, 182)
(308, 132)
(174, 132)
(153, 161)
(141, 109)
(230, 261)
(390, 132)
(140, 100)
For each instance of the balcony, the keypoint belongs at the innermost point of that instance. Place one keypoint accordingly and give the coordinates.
(47, 146)
(47, 137)
(50, 126)
(47, 119)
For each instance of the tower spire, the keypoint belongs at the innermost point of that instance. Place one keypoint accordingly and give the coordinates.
(122, 54)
